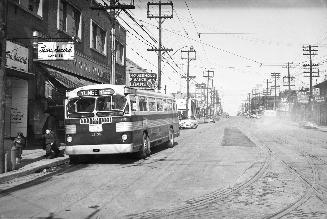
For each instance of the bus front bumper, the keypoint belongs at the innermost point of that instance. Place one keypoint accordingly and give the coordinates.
(100, 149)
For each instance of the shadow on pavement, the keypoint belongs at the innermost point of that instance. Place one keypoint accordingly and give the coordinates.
(122, 159)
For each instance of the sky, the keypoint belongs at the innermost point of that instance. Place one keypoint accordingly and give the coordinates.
(242, 41)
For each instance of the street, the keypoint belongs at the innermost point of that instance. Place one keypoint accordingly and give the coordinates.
(234, 168)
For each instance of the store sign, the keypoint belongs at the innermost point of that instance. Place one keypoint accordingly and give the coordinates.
(143, 80)
(16, 56)
(56, 51)
(319, 99)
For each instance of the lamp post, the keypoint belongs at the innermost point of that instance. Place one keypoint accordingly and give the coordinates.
(189, 55)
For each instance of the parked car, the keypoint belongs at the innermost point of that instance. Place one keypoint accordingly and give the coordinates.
(190, 122)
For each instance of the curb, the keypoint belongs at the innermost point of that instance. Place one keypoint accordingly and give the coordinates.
(21, 172)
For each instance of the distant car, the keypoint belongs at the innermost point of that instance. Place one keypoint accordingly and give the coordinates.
(190, 123)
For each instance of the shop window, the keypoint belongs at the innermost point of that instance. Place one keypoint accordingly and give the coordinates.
(69, 19)
(98, 38)
(33, 6)
(120, 50)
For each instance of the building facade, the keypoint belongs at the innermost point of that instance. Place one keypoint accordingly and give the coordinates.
(35, 84)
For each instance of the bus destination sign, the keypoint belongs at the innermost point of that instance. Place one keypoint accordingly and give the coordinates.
(143, 80)
(96, 92)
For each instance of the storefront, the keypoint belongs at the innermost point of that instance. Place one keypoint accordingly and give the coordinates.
(16, 91)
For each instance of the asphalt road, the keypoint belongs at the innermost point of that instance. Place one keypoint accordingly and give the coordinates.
(234, 168)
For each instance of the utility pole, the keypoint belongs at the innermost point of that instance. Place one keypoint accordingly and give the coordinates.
(288, 77)
(190, 55)
(157, 7)
(3, 39)
(165, 89)
(112, 7)
(275, 75)
(209, 75)
(310, 52)
(212, 98)
(266, 93)
(249, 99)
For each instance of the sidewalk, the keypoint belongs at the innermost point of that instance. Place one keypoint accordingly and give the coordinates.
(32, 161)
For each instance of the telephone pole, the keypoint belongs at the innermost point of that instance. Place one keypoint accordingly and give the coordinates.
(190, 55)
(249, 99)
(112, 7)
(157, 7)
(266, 93)
(276, 76)
(3, 38)
(288, 77)
(310, 51)
(209, 75)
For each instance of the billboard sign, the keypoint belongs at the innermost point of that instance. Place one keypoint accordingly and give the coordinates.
(143, 80)
(56, 51)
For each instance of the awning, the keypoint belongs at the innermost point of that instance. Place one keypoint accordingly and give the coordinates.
(68, 81)
(18, 73)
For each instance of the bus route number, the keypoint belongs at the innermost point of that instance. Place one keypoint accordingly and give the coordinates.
(95, 128)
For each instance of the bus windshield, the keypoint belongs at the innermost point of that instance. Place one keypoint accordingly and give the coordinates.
(102, 106)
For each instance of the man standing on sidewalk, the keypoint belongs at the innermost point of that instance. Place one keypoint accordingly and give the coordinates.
(50, 135)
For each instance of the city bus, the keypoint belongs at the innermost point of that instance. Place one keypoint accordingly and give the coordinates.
(112, 119)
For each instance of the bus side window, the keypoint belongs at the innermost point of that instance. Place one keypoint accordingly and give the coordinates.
(169, 105)
(165, 105)
(159, 105)
(126, 111)
(133, 103)
(143, 104)
(152, 104)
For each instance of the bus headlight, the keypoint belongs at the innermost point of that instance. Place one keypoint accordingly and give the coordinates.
(124, 137)
(69, 139)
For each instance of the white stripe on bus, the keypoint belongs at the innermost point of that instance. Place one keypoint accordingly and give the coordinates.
(139, 125)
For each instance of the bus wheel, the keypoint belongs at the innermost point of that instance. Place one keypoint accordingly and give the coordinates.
(171, 139)
(145, 148)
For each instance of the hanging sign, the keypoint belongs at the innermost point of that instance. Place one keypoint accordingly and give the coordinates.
(56, 51)
(143, 80)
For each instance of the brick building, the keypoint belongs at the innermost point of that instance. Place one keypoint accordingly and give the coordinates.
(34, 85)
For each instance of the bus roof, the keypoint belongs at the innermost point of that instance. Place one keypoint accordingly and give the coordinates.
(119, 89)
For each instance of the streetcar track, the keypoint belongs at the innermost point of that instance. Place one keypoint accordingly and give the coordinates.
(313, 186)
(209, 198)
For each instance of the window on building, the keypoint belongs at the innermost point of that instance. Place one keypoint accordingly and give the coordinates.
(120, 53)
(143, 104)
(98, 38)
(33, 6)
(69, 19)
